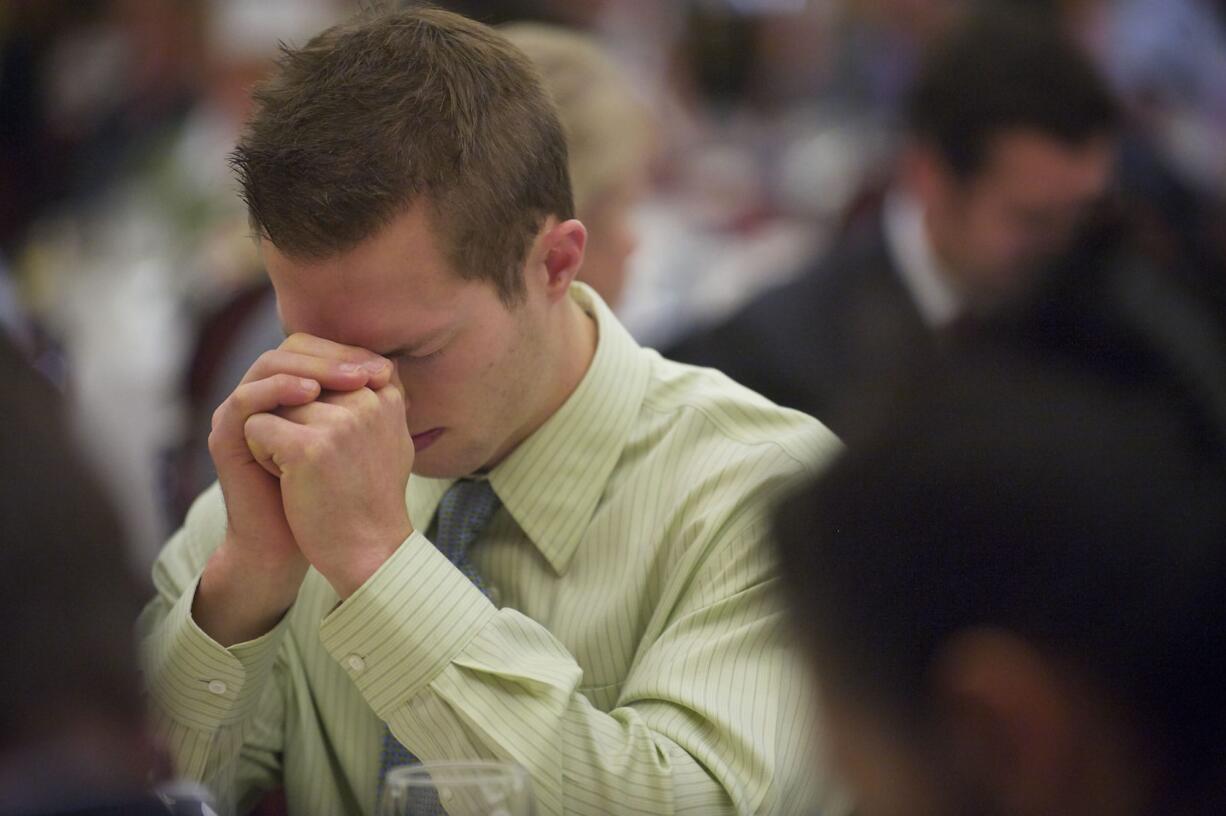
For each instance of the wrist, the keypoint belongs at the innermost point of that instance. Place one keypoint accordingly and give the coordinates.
(362, 562)
(242, 596)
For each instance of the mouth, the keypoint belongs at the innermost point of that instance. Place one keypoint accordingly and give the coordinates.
(425, 439)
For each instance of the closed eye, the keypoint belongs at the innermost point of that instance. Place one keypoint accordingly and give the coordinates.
(425, 358)
(412, 352)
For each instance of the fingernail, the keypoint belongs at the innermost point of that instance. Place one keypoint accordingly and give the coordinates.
(375, 366)
(350, 368)
(307, 385)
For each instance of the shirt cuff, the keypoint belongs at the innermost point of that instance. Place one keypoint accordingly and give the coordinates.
(401, 628)
(197, 681)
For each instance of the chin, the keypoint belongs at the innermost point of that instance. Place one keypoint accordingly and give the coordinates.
(436, 470)
(440, 463)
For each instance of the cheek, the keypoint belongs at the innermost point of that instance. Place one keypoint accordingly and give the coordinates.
(991, 229)
(473, 375)
(478, 383)
(433, 389)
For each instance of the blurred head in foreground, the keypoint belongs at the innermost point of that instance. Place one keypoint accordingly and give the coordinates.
(71, 722)
(1013, 592)
(608, 136)
(1011, 140)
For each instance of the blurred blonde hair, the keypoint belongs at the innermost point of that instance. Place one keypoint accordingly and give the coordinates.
(608, 129)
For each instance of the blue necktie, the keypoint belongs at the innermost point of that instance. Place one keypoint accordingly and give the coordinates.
(465, 509)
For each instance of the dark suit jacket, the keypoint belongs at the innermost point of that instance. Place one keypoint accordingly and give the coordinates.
(822, 342)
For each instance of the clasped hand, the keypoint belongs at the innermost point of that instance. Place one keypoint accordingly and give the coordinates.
(314, 454)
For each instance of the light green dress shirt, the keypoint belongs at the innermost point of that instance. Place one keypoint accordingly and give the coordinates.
(632, 656)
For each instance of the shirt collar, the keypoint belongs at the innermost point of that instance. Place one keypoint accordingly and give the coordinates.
(918, 266)
(552, 483)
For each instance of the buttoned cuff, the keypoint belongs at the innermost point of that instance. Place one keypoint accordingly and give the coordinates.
(405, 624)
(197, 681)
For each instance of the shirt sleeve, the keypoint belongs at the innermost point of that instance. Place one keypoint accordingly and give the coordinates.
(219, 711)
(712, 719)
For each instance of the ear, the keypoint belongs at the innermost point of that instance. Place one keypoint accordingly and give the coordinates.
(1011, 717)
(557, 255)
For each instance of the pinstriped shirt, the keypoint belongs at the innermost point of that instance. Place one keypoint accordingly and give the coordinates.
(632, 656)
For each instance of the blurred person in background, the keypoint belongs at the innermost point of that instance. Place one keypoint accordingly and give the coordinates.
(1010, 142)
(608, 139)
(1012, 588)
(461, 514)
(73, 735)
(39, 165)
(150, 95)
(1167, 61)
(113, 83)
(578, 13)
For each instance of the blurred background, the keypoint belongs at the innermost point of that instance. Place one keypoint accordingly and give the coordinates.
(762, 128)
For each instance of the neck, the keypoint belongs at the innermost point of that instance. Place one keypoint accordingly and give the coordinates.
(578, 338)
(572, 343)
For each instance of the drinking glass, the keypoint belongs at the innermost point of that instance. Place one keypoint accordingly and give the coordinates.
(457, 789)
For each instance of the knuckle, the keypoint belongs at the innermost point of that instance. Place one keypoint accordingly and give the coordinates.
(239, 403)
(391, 397)
(217, 419)
(356, 403)
(351, 420)
(318, 448)
(285, 382)
(214, 441)
(266, 362)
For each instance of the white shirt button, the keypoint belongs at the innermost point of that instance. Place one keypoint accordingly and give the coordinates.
(355, 663)
(217, 686)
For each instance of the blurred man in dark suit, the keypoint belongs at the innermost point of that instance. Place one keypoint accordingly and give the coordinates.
(1012, 589)
(1010, 140)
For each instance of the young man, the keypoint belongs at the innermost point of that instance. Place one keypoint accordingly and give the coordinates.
(1013, 592)
(1010, 141)
(574, 578)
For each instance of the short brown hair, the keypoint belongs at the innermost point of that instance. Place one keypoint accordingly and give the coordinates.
(394, 107)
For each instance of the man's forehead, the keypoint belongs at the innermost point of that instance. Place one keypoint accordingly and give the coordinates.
(384, 322)
(382, 333)
(388, 293)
